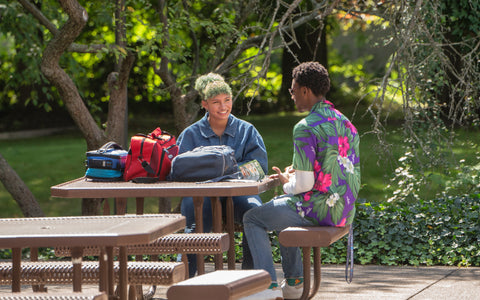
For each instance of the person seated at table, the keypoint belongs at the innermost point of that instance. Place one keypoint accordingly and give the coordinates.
(320, 187)
(220, 127)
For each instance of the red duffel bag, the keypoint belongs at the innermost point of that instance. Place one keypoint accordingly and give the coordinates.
(150, 156)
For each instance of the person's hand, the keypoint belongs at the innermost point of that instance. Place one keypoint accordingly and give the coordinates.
(285, 176)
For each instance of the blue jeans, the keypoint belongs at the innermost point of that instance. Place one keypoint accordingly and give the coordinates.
(241, 204)
(274, 215)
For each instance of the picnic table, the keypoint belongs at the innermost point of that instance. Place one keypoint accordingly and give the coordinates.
(120, 191)
(79, 232)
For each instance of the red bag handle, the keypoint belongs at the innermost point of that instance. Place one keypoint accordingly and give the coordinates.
(158, 133)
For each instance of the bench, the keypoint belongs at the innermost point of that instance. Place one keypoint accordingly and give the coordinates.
(221, 285)
(308, 238)
(56, 296)
(184, 243)
(61, 272)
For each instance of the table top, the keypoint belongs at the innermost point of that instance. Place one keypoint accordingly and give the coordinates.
(82, 188)
(87, 230)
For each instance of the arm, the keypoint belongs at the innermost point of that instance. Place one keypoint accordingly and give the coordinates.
(185, 141)
(255, 149)
(295, 181)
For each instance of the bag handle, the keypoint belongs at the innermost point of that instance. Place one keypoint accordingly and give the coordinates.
(158, 133)
(110, 145)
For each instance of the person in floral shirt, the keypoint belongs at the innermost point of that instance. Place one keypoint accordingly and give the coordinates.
(321, 186)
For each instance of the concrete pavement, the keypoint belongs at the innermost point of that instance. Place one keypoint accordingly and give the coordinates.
(372, 282)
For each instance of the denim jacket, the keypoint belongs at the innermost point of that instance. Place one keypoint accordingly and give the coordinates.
(240, 135)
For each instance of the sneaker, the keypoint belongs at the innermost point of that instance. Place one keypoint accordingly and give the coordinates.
(292, 288)
(274, 292)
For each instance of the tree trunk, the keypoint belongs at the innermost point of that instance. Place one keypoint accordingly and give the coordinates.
(117, 84)
(50, 66)
(18, 189)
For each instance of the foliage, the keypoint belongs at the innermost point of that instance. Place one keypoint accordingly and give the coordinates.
(434, 68)
(413, 181)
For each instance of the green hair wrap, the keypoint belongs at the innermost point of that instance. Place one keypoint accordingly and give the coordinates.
(215, 88)
(202, 85)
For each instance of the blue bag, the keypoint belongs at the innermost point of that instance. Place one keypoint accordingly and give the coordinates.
(106, 163)
(205, 164)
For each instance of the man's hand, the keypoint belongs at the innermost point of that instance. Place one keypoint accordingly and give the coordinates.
(285, 176)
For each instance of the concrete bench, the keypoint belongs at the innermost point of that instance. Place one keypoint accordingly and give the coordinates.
(308, 238)
(221, 285)
(56, 296)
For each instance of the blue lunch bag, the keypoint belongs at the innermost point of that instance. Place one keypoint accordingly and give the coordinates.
(106, 163)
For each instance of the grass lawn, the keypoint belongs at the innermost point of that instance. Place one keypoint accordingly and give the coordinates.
(46, 161)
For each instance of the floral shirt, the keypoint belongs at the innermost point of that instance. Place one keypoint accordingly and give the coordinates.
(327, 143)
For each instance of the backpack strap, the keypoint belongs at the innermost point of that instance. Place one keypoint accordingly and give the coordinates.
(145, 179)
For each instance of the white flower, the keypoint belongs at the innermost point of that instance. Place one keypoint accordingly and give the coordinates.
(299, 209)
(346, 163)
(332, 199)
(349, 167)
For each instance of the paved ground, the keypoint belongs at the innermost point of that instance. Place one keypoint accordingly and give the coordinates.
(375, 282)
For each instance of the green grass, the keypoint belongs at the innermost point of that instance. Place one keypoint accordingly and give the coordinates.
(47, 161)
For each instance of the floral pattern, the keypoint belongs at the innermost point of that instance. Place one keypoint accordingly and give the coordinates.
(327, 143)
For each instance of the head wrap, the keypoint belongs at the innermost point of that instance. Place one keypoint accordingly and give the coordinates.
(215, 88)
(211, 85)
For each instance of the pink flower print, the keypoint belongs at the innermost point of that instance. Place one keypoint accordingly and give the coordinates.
(342, 223)
(307, 196)
(343, 146)
(350, 126)
(331, 119)
(323, 182)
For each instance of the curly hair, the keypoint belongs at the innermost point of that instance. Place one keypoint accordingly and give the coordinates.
(314, 76)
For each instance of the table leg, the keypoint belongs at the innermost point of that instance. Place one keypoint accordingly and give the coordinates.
(120, 206)
(16, 269)
(231, 234)
(34, 257)
(198, 207)
(110, 272)
(217, 227)
(103, 264)
(106, 207)
(140, 204)
(77, 255)
(123, 278)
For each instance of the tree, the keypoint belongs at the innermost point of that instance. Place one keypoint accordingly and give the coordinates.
(219, 34)
(63, 40)
(434, 70)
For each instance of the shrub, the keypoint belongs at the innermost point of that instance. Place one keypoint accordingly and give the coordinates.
(442, 231)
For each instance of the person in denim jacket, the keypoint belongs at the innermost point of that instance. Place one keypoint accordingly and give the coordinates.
(220, 127)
